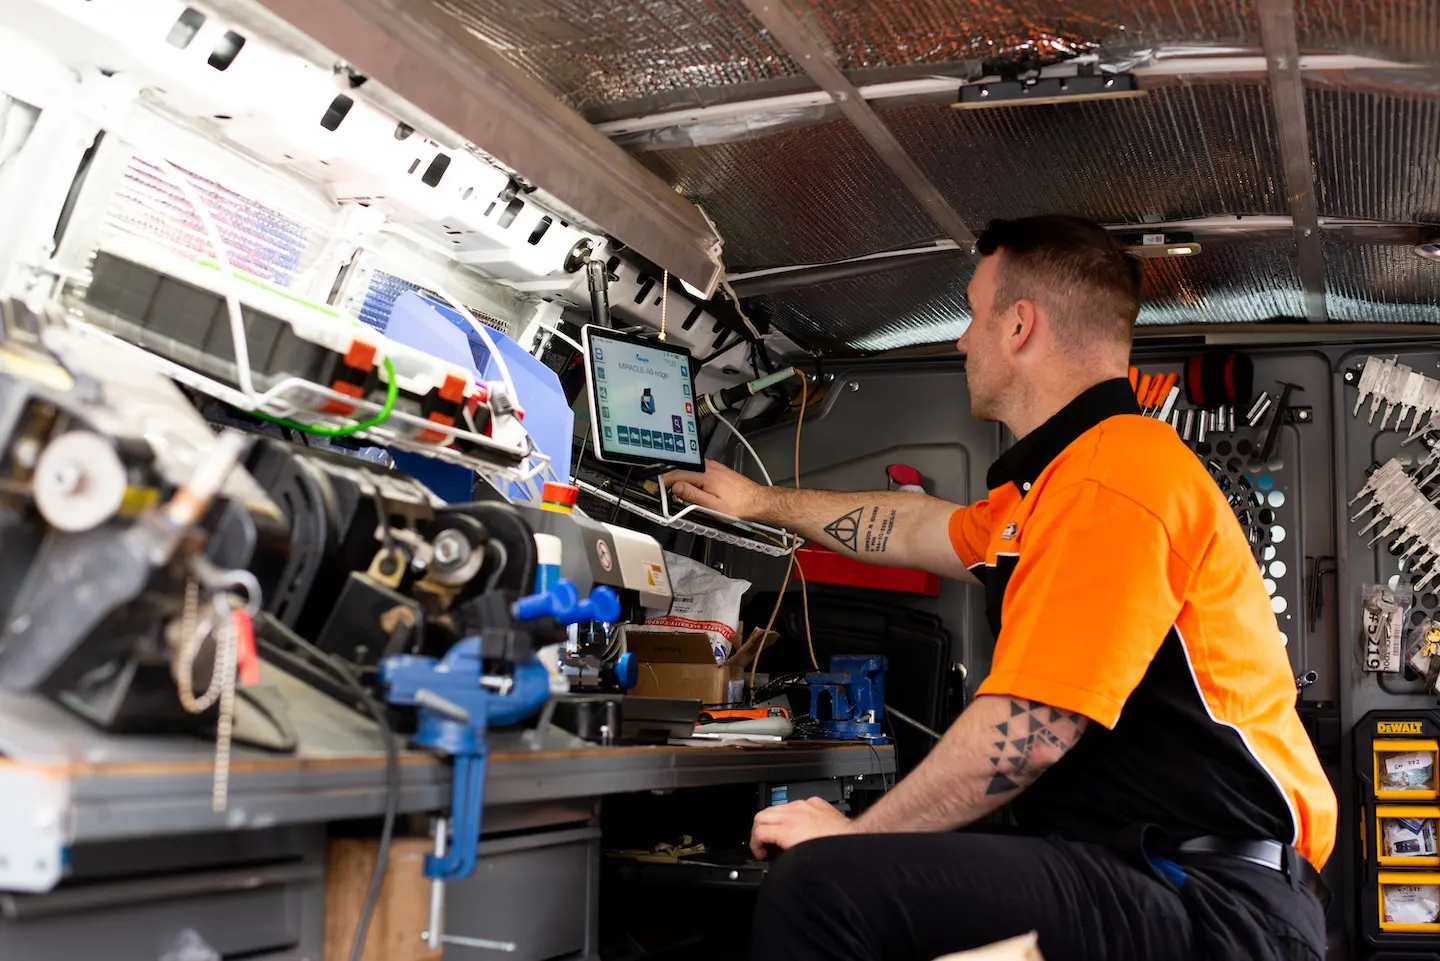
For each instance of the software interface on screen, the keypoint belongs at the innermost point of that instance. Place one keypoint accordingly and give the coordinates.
(642, 401)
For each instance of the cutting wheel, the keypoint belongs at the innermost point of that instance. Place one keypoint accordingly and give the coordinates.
(79, 481)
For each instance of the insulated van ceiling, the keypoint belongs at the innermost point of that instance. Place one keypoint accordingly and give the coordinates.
(804, 187)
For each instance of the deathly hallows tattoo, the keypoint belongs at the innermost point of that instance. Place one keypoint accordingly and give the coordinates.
(875, 537)
(1033, 737)
(846, 529)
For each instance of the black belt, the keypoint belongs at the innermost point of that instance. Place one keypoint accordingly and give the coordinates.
(1267, 854)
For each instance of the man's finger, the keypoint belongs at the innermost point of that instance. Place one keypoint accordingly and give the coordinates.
(772, 815)
(760, 837)
(696, 495)
(678, 476)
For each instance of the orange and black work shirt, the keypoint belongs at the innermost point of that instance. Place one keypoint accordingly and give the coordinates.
(1120, 586)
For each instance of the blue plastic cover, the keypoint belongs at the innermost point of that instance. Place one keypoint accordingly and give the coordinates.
(438, 329)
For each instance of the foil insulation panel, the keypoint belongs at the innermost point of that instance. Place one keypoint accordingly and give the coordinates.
(1245, 281)
(922, 304)
(803, 196)
(1178, 152)
(1369, 283)
(889, 33)
(607, 52)
(1237, 281)
(1406, 30)
(592, 53)
(1377, 157)
(614, 51)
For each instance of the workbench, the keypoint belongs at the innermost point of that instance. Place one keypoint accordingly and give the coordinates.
(72, 797)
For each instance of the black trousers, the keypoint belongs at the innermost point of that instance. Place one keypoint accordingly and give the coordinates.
(915, 897)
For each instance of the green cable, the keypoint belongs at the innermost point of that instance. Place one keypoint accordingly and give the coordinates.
(392, 391)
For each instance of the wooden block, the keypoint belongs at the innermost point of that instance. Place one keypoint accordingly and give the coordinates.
(402, 912)
(1024, 948)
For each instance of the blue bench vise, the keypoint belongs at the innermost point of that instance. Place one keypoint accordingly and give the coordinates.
(848, 701)
(456, 702)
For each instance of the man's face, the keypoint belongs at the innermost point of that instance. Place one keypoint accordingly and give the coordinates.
(988, 368)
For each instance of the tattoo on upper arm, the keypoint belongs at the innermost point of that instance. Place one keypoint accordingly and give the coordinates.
(846, 529)
(1033, 737)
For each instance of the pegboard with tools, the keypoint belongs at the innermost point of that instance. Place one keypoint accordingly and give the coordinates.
(1391, 461)
(1237, 413)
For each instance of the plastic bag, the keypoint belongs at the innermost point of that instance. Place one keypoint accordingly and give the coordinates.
(1412, 903)
(704, 600)
(1383, 612)
(1424, 653)
(1406, 770)
(1408, 837)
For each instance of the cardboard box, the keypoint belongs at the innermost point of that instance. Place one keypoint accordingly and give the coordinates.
(681, 664)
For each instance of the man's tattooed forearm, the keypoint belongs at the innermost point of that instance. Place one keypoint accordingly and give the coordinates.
(878, 526)
(1034, 737)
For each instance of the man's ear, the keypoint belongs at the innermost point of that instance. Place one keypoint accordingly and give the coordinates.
(1023, 325)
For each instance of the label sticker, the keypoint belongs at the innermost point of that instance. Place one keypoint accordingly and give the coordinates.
(1404, 763)
(780, 795)
(602, 553)
(1398, 727)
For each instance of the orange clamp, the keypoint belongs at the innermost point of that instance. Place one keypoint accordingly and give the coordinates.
(246, 656)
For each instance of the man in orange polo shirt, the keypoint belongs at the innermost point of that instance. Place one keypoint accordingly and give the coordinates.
(1139, 718)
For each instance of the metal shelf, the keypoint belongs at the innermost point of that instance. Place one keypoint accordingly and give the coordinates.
(497, 471)
(748, 536)
(64, 783)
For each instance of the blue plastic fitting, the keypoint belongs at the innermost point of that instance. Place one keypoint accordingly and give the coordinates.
(562, 602)
(627, 671)
(602, 605)
(558, 602)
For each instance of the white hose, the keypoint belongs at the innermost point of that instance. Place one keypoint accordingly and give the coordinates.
(227, 274)
(741, 438)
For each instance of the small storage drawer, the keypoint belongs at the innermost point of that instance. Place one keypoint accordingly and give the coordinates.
(538, 891)
(1409, 902)
(1405, 836)
(1405, 769)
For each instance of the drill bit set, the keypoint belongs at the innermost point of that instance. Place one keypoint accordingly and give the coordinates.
(1402, 506)
(1400, 387)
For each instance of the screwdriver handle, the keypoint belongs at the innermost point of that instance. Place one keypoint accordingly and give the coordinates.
(1134, 377)
(1153, 398)
(1165, 385)
(1142, 393)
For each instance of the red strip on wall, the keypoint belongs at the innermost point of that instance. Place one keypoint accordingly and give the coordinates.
(821, 566)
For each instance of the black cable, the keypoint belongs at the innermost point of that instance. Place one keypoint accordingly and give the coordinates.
(894, 749)
(580, 454)
(267, 621)
(723, 348)
(778, 684)
(758, 351)
(879, 767)
(624, 489)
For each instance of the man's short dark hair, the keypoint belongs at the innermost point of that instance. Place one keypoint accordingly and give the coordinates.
(1073, 268)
